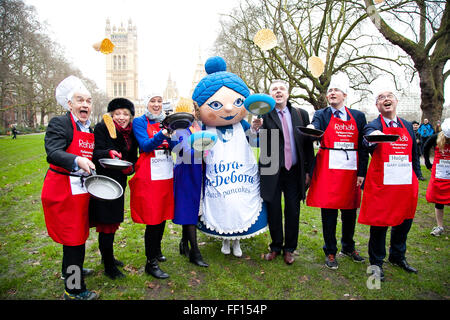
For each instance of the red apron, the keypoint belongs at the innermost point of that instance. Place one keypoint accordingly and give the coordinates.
(438, 190)
(64, 200)
(151, 188)
(391, 187)
(333, 184)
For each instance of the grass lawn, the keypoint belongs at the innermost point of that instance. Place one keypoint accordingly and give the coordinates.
(30, 262)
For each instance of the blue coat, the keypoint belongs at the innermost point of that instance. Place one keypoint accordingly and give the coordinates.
(426, 130)
(147, 144)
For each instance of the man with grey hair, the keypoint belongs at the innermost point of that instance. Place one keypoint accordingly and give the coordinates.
(291, 178)
(391, 186)
(69, 143)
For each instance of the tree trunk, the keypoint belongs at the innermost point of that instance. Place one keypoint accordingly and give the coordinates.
(432, 92)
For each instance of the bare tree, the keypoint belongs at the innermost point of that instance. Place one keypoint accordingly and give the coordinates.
(336, 31)
(422, 29)
(31, 67)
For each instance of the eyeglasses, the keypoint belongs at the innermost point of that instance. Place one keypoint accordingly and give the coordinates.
(382, 98)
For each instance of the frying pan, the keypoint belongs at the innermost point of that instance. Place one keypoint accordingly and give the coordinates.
(178, 120)
(203, 140)
(311, 132)
(115, 164)
(380, 138)
(259, 104)
(102, 187)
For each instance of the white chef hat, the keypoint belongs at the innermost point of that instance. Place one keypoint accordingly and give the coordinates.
(66, 89)
(340, 81)
(382, 85)
(445, 126)
(152, 95)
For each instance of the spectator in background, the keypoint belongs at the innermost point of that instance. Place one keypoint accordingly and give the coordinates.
(438, 127)
(14, 132)
(415, 125)
(425, 130)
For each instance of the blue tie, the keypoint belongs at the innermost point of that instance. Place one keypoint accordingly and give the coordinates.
(337, 114)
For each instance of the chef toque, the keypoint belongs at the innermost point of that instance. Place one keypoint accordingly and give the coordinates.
(66, 89)
(445, 126)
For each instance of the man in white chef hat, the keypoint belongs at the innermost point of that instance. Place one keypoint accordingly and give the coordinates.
(69, 143)
(339, 170)
(391, 185)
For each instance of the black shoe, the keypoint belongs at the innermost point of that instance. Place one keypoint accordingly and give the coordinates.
(196, 258)
(404, 265)
(117, 263)
(354, 255)
(184, 247)
(113, 273)
(161, 258)
(153, 269)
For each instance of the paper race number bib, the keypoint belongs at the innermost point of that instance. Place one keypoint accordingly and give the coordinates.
(161, 166)
(398, 170)
(340, 159)
(443, 169)
(75, 186)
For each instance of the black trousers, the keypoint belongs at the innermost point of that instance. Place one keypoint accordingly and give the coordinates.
(152, 238)
(397, 249)
(288, 185)
(329, 222)
(439, 206)
(72, 268)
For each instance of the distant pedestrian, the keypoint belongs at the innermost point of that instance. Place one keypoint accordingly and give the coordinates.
(415, 125)
(14, 132)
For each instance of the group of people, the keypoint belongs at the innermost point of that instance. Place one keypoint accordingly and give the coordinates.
(161, 190)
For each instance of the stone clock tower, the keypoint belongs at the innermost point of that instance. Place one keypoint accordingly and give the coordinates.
(122, 64)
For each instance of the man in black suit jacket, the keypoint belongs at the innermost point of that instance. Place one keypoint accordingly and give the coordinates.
(279, 175)
(74, 97)
(58, 138)
(386, 103)
(348, 197)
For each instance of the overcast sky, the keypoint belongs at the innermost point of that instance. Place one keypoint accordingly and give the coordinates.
(170, 35)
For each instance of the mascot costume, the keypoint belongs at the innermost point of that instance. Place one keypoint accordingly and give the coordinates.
(231, 207)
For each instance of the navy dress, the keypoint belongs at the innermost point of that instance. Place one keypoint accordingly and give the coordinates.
(187, 182)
